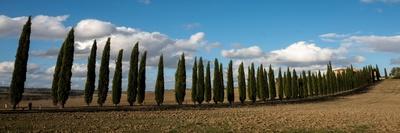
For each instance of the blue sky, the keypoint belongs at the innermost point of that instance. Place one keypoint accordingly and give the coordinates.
(303, 34)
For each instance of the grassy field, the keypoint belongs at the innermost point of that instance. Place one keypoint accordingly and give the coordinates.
(374, 111)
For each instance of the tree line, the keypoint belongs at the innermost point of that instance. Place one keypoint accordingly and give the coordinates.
(261, 83)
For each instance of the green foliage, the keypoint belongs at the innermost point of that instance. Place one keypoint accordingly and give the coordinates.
(242, 83)
(252, 88)
(18, 79)
(261, 92)
(295, 85)
(133, 75)
(207, 84)
(180, 80)
(288, 84)
(272, 85)
(200, 82)
(91, 74)
(54, 85)
(194, 81)
(230, 86)
(280, 84)
(104, 74)
(216, 80)
(64, 82)
(117, 80)
(142, 79)
(222, 87)
(159, 88)
(386, 75)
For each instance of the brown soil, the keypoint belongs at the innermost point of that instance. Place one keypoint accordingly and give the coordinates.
(374, 111)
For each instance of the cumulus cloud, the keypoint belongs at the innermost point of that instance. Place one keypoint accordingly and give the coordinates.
(377, 43)
(92, 28)
(299, 54)
(43, 27)
(250, 52)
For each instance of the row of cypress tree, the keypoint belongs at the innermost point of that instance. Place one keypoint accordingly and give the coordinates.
(260, 84)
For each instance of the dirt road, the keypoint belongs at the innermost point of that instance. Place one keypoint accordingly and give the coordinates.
(377, 110)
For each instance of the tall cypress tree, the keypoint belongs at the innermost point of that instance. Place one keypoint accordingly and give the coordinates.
(133, 74)
(207, 83)
(253, 83)
(280, 85)
(272, 85)
(288, 84)
(159, 88)
(64, 82)
(229, 85)
(91, 75)
(222, 87)
(104, 74)
(17, 85)
(142, 79)
(378, 74)
(180, 80)
(304, 91)
(194, 81)
(200, 82)
(310, 83)
(320, 84)
(242, 83)
(386, 75)
(54, 85)
(266, 86)
(261, 92)
(117, 80)
(295, 85)
(216, 80)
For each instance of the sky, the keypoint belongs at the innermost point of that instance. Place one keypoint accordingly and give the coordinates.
(301, 34)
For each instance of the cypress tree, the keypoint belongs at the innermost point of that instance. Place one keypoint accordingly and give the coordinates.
(260, 84)
(378, 74)
(54, 85)
(207, 83)
(200, 82)
(133, 74)
(319, 81)
(229, 85)
(180, 80)
(216, 84)
(222, 87)
(272, 85)
(91, 74)
(266, 86)
(305, 90)
(142, 79)
(288, 84)
(194, 81)
(295, 85)
(242, 83)
(104, 74)
(159, 88)
(252, 82)
(386, 75)
(280, 85)
(64, 82)
(17, 84)
(117, 80)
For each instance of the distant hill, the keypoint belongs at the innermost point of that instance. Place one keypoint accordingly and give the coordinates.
(36, 93)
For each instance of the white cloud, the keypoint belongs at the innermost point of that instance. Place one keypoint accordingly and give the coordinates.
(332, 37)
(253, 51)
(146, 2)
(43, 27)
(395, 61)
(299, 54)
(92, 28)
(383, 1)
(377, 43)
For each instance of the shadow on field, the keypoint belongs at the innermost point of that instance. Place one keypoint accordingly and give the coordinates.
(206, 106)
